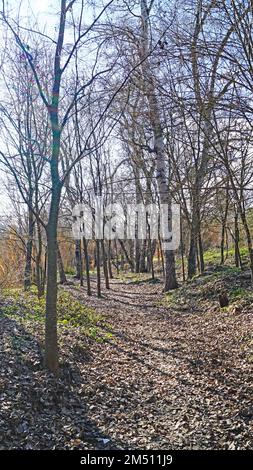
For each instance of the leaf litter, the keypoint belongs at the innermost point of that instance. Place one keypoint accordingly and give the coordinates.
(162, 378)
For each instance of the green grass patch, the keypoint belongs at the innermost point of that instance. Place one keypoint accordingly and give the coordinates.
(203, 289)
(25, 306)
(212, 256)
(70, 271)
(137, 278)
(238, 292)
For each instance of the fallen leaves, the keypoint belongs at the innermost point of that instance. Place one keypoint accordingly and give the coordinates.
(164, 379)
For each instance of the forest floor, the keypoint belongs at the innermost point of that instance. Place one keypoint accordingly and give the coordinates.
(162, 372)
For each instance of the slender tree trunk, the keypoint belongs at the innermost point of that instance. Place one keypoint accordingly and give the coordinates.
(78, 259)
(182, 248)
(201, 252)
(198, 264)
(98, 268)
(249, 242)
(105, 266)
(51, 341)
(81, 264)
(237, 239)
(194, 236)
(62, 275)
(143, 268)
(126, 255)
(162, 180)
(110, 259)
(137, 255)
(196, 252)
(95, 256)
(223, 229)
(39, 270)
(122, 262)
(44, 272)
(117, 256)
(138, 243)
(192, 254)
(222, 243)
(87, 265)
(150, 263)
(227, 244)
(162, 256)
(29, 248)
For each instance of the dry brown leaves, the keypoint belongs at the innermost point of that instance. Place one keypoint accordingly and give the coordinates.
(166, 380)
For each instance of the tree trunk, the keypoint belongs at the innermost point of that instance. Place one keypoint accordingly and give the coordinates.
(236, 240)
(126, 255)
(137, 255)
(117, 256)
(143, 268)
(51, 342)
(192, 254)
(44, 272)
(201, 252)
(110, 259)
(62, 275)
(98, 269)
(29, 248)
(182, 248)
(39, 270)
(150, 263)
(162, 180)
(162, 254)
(105, 267)
(81, 264)
(222, 244)
(249, 242)
(78, 259)
(87, 265)
(223, 229)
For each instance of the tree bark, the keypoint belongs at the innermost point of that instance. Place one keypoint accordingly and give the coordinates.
(201, 252)
(105, 266)
(110, 259)
(182, 248)
(29, 247)
(78, 259)
(62, 275)
(51, 340)
(98, 268)
(127, 255)
(237, 239)
(223, 230)
(39, 270)
(87, 265)
(159, 148)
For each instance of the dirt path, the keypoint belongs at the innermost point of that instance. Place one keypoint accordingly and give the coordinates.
(169, 379)
(178, 378)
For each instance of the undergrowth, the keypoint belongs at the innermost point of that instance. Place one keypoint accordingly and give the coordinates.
(205, 289)
(26, 306)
